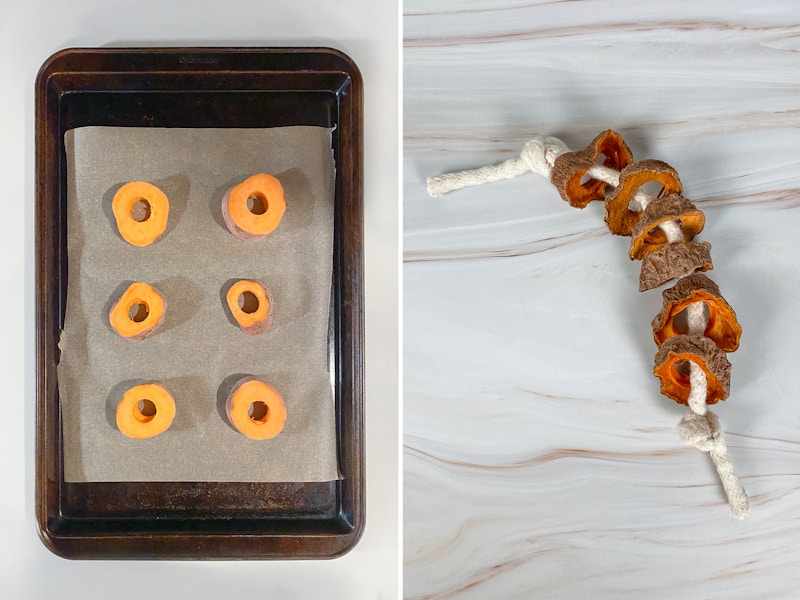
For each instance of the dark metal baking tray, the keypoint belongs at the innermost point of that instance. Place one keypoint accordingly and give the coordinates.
(200, 87)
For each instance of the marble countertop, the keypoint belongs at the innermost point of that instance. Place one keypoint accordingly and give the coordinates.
(540, 460)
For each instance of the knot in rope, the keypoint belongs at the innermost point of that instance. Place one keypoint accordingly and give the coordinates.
(541, 152)
(700, 431)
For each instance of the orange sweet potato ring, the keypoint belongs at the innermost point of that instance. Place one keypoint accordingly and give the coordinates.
(570, 168)
(619, 217)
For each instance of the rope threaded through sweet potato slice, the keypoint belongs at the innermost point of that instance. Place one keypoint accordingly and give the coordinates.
(722, 327)
(705, 354)
(674, 260)
(569, 168)
(619, 217)
(647, 236)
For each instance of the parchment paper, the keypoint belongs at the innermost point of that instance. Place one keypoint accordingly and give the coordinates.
(198, 353)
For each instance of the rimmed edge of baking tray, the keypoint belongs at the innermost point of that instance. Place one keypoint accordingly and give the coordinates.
(200, 520)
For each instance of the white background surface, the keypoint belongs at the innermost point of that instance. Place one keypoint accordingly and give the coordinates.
(30, 32)
(540, 460)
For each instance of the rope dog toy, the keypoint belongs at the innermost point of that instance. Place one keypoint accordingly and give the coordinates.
(696, 327)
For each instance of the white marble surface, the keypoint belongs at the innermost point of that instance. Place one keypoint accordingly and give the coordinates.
(540, 460)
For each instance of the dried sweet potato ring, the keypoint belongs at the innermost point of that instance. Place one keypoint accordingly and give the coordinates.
(141, 211)
(255, 409)
(253, 208)
(569, 168)
(704, 353)
(145, 411)
(138, 312)
(646, 234)
(250, 303)
(619, 217)
(674, 260)
(722, 328)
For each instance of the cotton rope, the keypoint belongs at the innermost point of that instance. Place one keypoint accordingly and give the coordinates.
(699, 427)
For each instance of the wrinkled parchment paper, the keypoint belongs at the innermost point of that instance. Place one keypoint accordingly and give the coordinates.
(198, 353)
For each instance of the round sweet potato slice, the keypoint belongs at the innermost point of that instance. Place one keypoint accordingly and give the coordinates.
(255, 409)
(250, 303)
(138, 312)
(722, 328)
(570, 168)
(647, 236)
(253, 208)
(700, 350)
(145, 411)
(141, 211)
(619, 217)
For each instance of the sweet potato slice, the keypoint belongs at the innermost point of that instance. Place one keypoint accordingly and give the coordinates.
(255, 409)
(138, 312)
(253, 208)
(646, 234)
(672, 261)
(250, 303)
(619, 217)
(704, 353)
(145, 411)
(141, 211)
(569, 168)
(722, 328)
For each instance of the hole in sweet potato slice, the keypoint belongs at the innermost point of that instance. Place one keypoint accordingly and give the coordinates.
(257, 204)
(147, 408)
(138, 311)
(140, 210)
(248, 302)
(258, 411)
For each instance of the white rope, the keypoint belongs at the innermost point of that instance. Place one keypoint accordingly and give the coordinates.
(700, 427)
(537, 156)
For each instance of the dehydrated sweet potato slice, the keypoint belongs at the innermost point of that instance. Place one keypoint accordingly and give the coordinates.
(250, 303)
(646, 234)
(722, 328)
(145, 411)
(255, 409)
(253, 208)
(141, 211)
(569, 168)
(704, 353)
(619, 217)
(138, 312)
(674, 260)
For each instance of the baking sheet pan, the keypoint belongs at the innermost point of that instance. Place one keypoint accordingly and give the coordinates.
(201, 89)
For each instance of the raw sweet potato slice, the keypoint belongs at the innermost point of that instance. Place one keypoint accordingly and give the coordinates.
(138, 312)
(722, 328)
(674, 260)
(145, 411)
(255, 409)
(141, 211)
(619, 217)
(647, 236)
(253, 208)
(704, 353)
(250, 303)
(569, 168)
